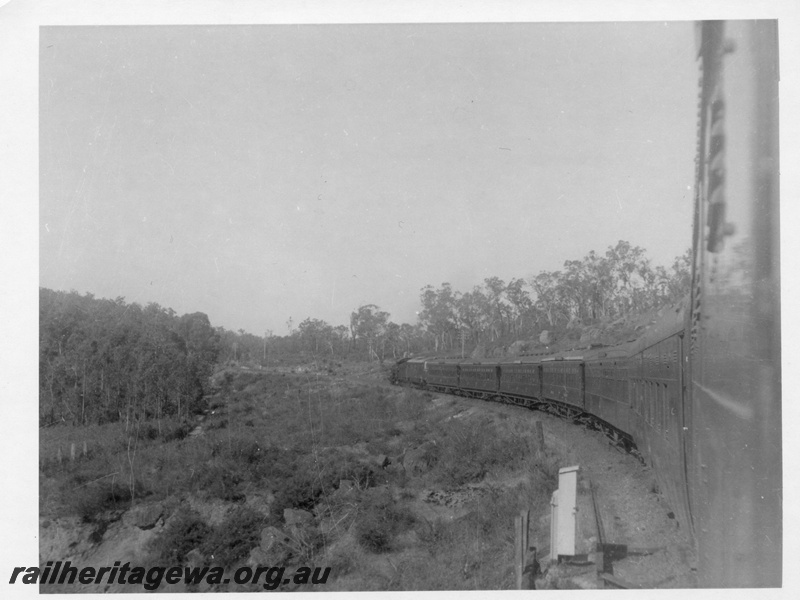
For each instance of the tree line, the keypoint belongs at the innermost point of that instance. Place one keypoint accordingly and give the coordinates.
(106, 360)
(598, 288)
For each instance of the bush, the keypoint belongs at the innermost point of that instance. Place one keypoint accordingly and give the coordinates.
(244, 380)
(233, 539)
(221, 479)
(470, 450)
(176, 432)
(185, 532)
(147, 431)
(88, 500)
(381, 521)
(302, 479)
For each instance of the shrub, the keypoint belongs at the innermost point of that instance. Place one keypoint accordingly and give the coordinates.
(217, 424)
(244, 380)
(176, 432)
(234, 538)
(184, 532)
(221, 478)
(381, 521)
(471, 449)
(242, 449)
(88, 500)
(147, 431)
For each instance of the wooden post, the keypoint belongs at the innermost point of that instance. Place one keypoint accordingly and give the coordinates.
(532, 567)
(539, 438)
(522, 558)
(72, 452)
(518, 552)
(525, 516)
(85, 450)
(599, 559)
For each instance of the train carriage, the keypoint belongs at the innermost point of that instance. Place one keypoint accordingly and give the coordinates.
(563, 380)
(700, 393)
(657, 417)
(521, 379)
(734, 437)
(415, 371)
(481, 379)
(442, 375)
(606, 386)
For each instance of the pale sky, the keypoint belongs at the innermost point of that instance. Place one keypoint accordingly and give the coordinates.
(258, 173)
(550, 198)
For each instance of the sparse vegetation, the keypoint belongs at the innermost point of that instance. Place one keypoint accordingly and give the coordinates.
(185, 532)
(231, 541)
(381, 519)
(321, 445)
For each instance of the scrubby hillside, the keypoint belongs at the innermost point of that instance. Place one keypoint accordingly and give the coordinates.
(391, 488)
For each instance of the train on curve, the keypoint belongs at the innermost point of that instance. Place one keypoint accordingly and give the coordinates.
(699, 394)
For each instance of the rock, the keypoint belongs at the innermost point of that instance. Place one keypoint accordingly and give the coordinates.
(260, 503)
(346, 485)
(545, 337)
(260, 558)
(518, 348)
(574, 323)
(328, 525)
(272, 536)
(194, 559)
(346, 490)
(274, 548)
(396, 465)
(586, 581)
(381, 460)
(420, 459)
(293, 516)
(144, 517)
(380, 494)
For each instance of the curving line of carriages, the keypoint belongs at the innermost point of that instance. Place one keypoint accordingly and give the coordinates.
(700, 393)
(633, 392)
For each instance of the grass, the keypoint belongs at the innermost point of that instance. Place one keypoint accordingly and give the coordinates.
(382, 519)
(299, 436)
(185, 532)
(289, 419)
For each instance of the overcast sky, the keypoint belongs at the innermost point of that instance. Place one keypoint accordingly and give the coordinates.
(258, 173)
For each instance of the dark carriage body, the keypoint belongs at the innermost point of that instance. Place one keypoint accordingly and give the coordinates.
(442, 375)
(606, 386)
(700, 393)
(563, 380)
(483, 378)
(414, 371)
(521, 379)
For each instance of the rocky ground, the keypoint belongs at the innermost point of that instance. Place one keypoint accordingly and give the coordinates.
(447, 530)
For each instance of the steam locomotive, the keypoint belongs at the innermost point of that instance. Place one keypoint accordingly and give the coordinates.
(699, 395)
